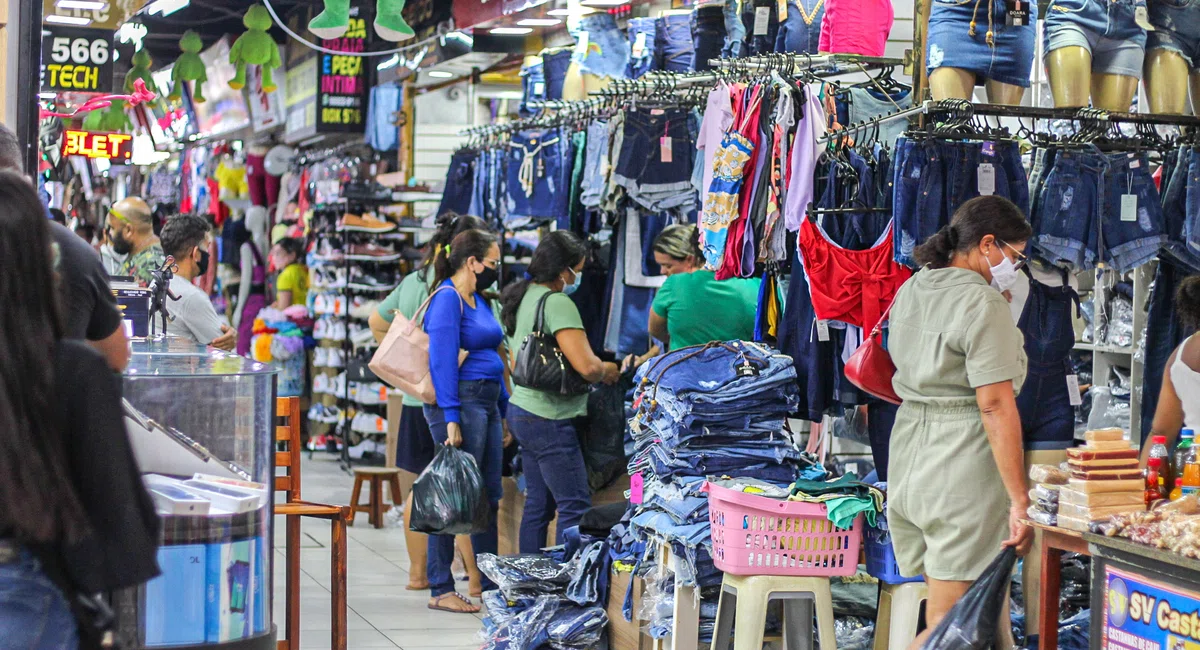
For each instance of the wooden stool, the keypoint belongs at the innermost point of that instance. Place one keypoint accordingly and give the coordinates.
(375, 506)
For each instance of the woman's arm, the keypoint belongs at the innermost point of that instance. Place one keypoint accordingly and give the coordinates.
(575, 346)
(1168, 415)
(283, 299)
(443, 323)
(379, 326)
(998, 407)
(244, 284)
(658, 328)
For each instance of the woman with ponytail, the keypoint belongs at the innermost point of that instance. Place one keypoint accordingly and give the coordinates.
(957, 461)
(543, 422)
(414, 444)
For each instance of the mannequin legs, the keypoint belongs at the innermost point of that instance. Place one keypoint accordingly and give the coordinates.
(956, 83)
(1166, 91)
(579, 84)
(1070, 71)
(1113, 92)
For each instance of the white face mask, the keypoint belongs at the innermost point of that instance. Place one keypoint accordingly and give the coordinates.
(1004, 274)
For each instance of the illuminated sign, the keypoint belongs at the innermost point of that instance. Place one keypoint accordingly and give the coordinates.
(117, 148)
(342, 81)
(76, 59)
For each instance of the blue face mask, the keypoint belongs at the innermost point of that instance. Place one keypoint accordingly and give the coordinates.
(574, 286)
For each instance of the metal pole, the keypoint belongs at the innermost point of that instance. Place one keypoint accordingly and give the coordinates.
(472, 89)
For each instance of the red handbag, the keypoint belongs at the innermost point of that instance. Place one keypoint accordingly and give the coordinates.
(871, 368)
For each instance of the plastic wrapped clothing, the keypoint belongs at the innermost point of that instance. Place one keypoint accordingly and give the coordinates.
(449, 497)
(971, 624)
(501, 611)
(523, 576)
(1073, 633)
(550, 621)
(589, 575)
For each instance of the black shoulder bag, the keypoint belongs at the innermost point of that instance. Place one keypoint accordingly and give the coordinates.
(542, 366)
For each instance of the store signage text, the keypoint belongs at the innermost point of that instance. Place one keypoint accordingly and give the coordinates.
(342, 80)
(76, 59)
(1143, 614)
(115, 147)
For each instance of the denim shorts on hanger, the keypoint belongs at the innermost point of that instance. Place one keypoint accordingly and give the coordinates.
(1105, 28)
(708, 34)
(1177, 28)
(1069, 208)
(533, 85)
(1128, 244)
(1008, 60)
(652, 182)
(538, 174)
(643, 33)
(604, 51)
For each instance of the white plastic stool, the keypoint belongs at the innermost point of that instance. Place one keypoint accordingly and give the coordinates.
(899, 614)
(747, 598)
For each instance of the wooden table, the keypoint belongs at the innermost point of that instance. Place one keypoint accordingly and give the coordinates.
(1055, 542)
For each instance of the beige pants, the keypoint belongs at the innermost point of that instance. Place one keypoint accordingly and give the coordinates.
(1032, 573)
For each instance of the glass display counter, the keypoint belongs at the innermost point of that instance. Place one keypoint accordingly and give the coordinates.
(201, 422)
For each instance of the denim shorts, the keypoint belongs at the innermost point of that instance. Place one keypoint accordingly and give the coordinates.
(654, 183)
(600, 49)
(674, 47)
(708, 34)
(800, 32)
(760, 43)
(555, 66)
(1127, 244)
(33, 612)
(595, 165)
(951, 44)
(533, 85)
(643, 35)
(1070, 205)
(1177, 28)
(1105, 28)
(735, 32)
(538, 174)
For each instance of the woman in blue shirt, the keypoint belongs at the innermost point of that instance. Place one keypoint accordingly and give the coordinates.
(471, 396)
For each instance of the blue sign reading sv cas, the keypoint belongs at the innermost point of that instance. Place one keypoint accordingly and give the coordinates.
(1141, 614)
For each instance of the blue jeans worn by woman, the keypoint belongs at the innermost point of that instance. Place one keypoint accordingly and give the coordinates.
(33, 612)
(483, 438)
(555, 475)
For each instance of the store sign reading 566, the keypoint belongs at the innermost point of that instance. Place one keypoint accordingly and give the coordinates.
(77, 60)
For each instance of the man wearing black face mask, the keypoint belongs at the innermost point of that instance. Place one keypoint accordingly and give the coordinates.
(185, 237)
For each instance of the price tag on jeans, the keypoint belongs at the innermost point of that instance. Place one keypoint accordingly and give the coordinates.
(988, 149)
(637, 488)
(539, 89)
(664, 149)
(1142, 18)
(1129, 207)
(987, 179)
(822, 330)
(1016, 13)
(1073, 390)
(781, 9)
(639, 45)
(762, 20)
(581, 46)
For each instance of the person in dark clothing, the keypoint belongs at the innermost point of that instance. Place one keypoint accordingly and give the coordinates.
(74, 516)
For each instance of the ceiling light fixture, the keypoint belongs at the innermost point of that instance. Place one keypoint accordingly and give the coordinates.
(440, 74)
(539, 22)
(81, 4)
(510, 31)
(67, 20)
(559, 12)
(603, 3)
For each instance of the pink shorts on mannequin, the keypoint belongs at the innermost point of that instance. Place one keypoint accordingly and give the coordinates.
(264, 188)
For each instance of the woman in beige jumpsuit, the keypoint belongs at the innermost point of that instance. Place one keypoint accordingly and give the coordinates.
(957, 461)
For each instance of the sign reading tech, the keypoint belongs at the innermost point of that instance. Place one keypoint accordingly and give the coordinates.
(75, 59)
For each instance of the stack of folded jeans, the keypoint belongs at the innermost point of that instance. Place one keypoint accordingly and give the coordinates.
(1093, 207)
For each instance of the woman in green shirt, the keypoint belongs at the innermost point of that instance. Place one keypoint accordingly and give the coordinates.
(542, 422)
(414, 443)
(692, 307)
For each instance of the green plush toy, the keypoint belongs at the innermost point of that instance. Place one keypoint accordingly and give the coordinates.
(255, 47)
(189, 67)
(139, 70)
(111, 119)
(389, 23)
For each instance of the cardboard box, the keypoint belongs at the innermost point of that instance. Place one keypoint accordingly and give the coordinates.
(622, 634)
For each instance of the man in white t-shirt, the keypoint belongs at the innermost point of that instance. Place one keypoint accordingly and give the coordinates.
(185, 237)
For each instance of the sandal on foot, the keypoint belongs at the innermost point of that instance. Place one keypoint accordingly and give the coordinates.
(436, 603)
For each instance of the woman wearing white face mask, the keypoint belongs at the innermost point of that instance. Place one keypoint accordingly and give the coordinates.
(957, 461)
(542, 421)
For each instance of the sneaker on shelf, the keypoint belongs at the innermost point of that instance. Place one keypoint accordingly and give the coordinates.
(378, 281)
(320, 383)
(320, 357)
(366, 191)
(338, 385)
(363, 307)
(373, 250)
(372, 394)
(363, 338)
(321, 327)
(316, 413)
(338, 306)
(336, 358)
(336, 331)
(365, 223)
(353, 391)
(327, 251)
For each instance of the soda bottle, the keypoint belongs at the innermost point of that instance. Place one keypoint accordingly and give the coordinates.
(1181, 451)
(1191, 473)
(1178, 491)
(1152, 482)
(1158, 449)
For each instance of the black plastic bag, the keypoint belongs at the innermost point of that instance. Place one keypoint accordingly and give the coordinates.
(449, 497)
(602, 433)
(972, 623)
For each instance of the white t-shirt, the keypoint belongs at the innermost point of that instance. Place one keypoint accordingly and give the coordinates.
(194, 315)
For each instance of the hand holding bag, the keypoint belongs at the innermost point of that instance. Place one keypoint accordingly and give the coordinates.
(541, 364)
(871, 368)
(402, 359)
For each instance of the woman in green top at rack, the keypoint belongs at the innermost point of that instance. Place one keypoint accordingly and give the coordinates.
(543, 422)
(414, 444)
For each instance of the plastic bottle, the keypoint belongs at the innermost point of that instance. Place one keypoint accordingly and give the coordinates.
(1186, 438)
(1158, 449)
(1178, 491)
(1153, 481)
(1191, 474)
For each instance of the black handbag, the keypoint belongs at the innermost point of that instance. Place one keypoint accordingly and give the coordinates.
(542, 366)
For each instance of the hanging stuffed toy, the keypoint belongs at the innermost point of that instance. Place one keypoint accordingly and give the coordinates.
(112, 119)
(139, 70)
(189, 67)
(255, 47)
(389, 23)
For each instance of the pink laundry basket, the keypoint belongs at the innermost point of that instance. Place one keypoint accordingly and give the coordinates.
(754, 535)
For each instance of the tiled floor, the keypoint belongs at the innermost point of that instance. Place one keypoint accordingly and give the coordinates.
(382, 613)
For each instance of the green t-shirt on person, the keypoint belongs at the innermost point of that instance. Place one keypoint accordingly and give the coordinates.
(561, 314)
(699, 309)
(407, 299)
